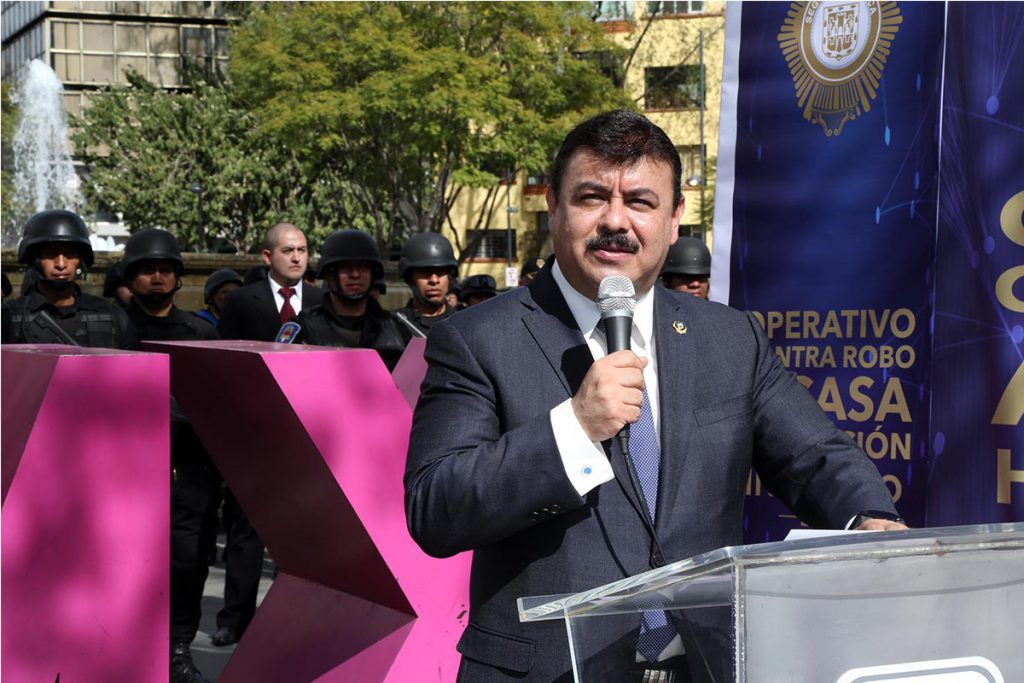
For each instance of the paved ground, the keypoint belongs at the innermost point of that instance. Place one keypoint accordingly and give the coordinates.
(212, 660)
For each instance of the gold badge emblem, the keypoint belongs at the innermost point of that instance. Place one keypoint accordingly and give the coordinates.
(679, 327)
(836, 52)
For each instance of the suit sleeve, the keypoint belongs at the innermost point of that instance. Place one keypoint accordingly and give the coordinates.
(800, 455)
(470, 482)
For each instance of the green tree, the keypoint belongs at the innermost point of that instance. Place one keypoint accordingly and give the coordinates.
(410, 101)
(8, 123)
(145, 147)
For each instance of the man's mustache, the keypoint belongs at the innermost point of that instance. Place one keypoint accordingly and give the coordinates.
(613, 241)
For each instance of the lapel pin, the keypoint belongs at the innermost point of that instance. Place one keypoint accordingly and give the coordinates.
(679, 327)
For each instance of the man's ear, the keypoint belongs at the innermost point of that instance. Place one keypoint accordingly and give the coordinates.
(677, 218)
(266, 256)
(552, 202)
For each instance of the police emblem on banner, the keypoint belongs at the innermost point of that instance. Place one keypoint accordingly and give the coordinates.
(836, 52)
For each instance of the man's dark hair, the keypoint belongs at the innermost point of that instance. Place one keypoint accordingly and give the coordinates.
(621, 137)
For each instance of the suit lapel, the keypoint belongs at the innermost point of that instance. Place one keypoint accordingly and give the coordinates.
(267, 306)
(553, 328)
(676, 359)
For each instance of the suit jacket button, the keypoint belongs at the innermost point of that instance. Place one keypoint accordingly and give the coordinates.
(534, 516)
(555, 509)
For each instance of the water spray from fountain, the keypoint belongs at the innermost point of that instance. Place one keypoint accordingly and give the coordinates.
(44, 175)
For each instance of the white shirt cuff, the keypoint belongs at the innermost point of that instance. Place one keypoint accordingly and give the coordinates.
(584, 461)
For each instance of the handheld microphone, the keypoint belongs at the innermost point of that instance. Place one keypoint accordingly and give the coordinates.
(616, 298)
(288, 332)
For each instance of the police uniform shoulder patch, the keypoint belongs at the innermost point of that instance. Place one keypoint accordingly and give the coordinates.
(836, 52)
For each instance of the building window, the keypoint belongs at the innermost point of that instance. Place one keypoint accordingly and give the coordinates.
(614, 11)
(692, 231)
(608, 63)
(669, 8)
(92, 52)
(489, 245)
(692, 166)
(672, 87)
(537, 179)
(536, 183)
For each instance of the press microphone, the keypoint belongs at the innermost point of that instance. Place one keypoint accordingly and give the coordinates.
(616, 299)
(288, 332)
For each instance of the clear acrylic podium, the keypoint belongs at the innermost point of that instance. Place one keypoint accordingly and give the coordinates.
(942, 605)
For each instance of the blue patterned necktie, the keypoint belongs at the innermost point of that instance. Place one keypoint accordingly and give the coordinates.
(655, 631)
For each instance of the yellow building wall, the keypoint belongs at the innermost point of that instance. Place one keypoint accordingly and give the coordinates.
(662, 41)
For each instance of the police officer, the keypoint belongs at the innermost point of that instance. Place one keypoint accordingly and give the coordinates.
(530, 269)
(53, 310)
(153, 267)
(454, 297)
(688, 267)
(428, 265)
(347, 315)
(114, 286)
(477, 289)
(219, 284)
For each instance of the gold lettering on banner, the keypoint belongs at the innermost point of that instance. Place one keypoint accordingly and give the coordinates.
(1011, 405)
(895, 485)
(1011, 219)
(831, 399)
(1004, 289)
(842, 324)
(881, 445)
(1006, 476)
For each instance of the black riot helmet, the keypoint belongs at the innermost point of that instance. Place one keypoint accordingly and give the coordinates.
(113, 279)
(151, 244)
(55, 225)
(427, 250)
(479, 284)
(217, 279)
(350, 246)
(530, 270)
(688, 256)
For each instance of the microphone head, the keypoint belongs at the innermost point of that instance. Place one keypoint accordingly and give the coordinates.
(616, 293)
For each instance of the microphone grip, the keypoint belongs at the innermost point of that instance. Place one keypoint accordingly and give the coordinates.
(618, 326)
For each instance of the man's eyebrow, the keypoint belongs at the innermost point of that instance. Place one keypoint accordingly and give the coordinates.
(585, 185)
(594, 186)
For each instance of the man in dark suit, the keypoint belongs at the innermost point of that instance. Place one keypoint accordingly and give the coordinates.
(257, 311)
(529, 475)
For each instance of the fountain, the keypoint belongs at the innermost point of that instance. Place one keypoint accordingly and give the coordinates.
(44, 175)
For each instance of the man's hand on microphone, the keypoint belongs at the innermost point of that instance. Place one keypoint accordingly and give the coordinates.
(611, 395)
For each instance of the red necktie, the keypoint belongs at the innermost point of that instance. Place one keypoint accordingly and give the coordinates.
(287, 312)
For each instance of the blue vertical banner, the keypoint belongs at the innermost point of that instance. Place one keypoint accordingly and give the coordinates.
(977, 468)
(826, 216)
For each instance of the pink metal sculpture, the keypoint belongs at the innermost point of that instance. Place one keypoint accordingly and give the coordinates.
(85, 525)
(312, 442)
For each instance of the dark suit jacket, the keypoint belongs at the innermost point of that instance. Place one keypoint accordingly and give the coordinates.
(484, 472)
(250, 312)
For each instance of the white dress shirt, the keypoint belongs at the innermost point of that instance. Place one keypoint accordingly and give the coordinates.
(584, 460)
(279, 300)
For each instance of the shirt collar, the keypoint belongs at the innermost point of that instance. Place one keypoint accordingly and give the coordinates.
(276, 288)
(587, 315)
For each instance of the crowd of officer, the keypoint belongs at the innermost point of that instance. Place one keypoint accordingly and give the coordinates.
(274, 302)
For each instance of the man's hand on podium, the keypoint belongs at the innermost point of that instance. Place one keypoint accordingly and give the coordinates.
(881, 525)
